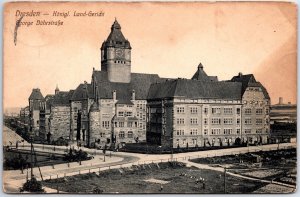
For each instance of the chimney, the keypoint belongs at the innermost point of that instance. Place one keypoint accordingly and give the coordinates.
(114, 95)
(289, 103)
(240, 74)
(280, 101)
(133, 95)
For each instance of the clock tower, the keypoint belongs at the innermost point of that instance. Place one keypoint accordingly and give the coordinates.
(116, 56)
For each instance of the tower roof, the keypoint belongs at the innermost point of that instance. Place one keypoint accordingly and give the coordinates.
(200, 74)
(116, 37)
(36, 94)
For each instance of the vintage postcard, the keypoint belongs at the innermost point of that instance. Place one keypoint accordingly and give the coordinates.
(150, 97)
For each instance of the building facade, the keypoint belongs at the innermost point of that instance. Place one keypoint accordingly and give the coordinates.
(201, 112)
(119, 106)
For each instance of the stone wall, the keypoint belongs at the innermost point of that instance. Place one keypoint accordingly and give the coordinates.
(60, 122)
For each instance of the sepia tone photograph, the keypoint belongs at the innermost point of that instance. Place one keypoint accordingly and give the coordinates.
(149, 98)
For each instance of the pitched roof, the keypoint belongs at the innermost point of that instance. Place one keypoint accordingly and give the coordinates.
(82, 92)
(36, 95)
(200, 74)
(195, 89)
(249, 81)
(116, 38)
(49, 98)
(62, 98)
(140, 83)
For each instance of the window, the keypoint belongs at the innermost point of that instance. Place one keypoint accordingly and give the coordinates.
(194, 141)
(227, 110)
(180, 110)
(194, 131)
(215, 131)
(121, 124)
(216, 121)
(238, 131)
(258, 130)
(259, 111)
(205, 131)
(105, 124)
(216, 110)
(180, 132)
(267, 111)
(205, 121)
(194, 110)
(248, 111)
(102, 134)
(122, 134)
(130, 134)
(194, 121)
(247, 121)
(120, 113)
(227, 120)
(248, 131)
(238, 121)
(129, 114)
(227, 131)
(259, 121)
(130, 124)
(238, 111)
(205, 110)
(180, 121)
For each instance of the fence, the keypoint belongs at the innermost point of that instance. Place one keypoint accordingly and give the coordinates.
(173, 158)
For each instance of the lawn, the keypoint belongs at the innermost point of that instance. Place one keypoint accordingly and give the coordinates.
(154, 178)
(278, 165)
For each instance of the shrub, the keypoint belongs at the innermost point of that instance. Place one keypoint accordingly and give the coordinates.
(32, 185)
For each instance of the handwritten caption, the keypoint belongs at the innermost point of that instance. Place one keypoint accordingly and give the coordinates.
(53, 18)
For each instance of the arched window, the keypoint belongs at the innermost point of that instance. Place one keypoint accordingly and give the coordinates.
(130, 134)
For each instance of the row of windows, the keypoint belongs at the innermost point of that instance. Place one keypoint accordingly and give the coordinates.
(258, 121)
(217, 110)
(194, 110)
(214, 121)
(129, 134)
(192, 132)
(120, 62)
(124, 114)
(259, 111)
(258, 131)
(218, 131)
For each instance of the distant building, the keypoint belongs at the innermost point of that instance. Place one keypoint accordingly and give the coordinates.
(119, 106)
(283, 112)
(36, 101)
(24, 118)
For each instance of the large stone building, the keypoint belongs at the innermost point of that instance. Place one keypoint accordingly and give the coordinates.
(119, 106)
(205, 112)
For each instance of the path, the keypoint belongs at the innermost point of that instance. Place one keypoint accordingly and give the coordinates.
(14, 179)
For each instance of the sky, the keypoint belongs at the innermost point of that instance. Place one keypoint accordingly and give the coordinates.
(169, 39)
